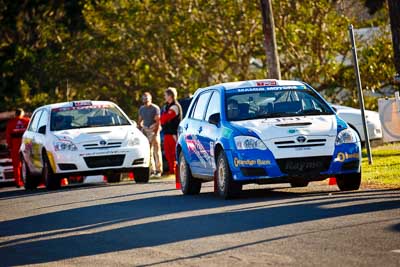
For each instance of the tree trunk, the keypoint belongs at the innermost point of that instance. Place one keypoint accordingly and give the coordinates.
(394, 14)
(271, 51)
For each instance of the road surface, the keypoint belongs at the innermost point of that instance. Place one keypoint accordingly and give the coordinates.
(153, 224)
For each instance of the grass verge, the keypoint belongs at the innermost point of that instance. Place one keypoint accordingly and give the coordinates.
(385, 170)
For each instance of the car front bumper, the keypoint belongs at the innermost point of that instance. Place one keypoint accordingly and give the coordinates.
(261, 166)
(99, 161)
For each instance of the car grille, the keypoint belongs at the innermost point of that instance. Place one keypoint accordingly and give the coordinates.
(304, 166)
(9, 175)
(100, 146)
(104, 161)
(6, 164)
(294, 144)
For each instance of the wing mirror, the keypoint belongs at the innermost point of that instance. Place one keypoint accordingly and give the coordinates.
(215, 119)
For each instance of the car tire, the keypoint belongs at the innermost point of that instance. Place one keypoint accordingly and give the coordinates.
(141, 175)
(114, 178)
(189, 184)
(299, 184)
(227, 187)
(51, 181)
(30, 182)
(348, 182)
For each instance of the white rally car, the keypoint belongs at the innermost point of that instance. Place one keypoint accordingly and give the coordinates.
(82, 138)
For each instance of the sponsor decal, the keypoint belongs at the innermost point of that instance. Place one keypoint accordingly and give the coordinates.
(250, 162)
(226, 132)
(343, 156)
(269, 88)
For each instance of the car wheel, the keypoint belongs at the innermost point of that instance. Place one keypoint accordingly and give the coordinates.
(114, 178)
(227, 187)
(141, 175)
(51, 181)
(189, 185)
(299, 183)
(30, 182)
(348, 182)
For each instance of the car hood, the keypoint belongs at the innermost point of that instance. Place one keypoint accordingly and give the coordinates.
(84, 135)
(277, 128)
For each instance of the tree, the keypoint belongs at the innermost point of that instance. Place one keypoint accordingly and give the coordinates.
(394, 15)
(271, 50)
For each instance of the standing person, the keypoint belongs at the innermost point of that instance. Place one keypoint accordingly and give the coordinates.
(149, 123)
(171, 116)
(15, 129)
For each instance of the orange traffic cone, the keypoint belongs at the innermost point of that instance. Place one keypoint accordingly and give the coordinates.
(332, 181)
(64, 181)
(131, 176)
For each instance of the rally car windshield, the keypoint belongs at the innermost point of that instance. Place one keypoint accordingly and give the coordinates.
(86, 117)
(270, 103)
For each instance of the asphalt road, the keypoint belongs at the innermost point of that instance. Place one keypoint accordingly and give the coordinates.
(152, 224)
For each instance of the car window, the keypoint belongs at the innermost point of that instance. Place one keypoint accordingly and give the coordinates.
(43, 119)
(270, 103)
(201, 105)
(214, 105)
(34, 122)
(86, 117)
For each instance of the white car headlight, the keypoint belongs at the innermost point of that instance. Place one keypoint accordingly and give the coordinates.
(63, 145)
(135, 141)
(249, 142)
(346, 136)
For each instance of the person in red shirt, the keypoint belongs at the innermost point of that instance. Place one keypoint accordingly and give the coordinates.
(15, 129)
(171, 116)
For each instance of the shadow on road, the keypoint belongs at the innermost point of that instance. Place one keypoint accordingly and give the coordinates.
(287, 208)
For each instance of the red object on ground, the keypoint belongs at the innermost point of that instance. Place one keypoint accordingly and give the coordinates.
(332, 181)
(15, 129)
(169, 148)
(105, 178)
(64, 181)
(177, 179)
(131, 176)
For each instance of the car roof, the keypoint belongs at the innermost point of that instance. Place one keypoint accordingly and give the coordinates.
(254, 83)
(71, 104)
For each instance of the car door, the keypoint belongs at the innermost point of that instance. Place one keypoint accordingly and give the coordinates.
(209, 134)
(39, 140)
(28, 142)
(192, 128)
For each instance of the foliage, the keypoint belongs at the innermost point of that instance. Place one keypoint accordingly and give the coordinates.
(118, 49)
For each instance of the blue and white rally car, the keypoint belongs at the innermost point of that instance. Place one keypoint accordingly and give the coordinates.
(264, 131)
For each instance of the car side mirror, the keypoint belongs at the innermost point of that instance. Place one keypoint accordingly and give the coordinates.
(134, 123)
(42, 129)
(215, 119)
(335, 109)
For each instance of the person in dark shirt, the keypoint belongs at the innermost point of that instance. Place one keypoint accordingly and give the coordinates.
(171, 116)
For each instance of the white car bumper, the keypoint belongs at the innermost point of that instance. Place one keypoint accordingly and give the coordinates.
(98, 161)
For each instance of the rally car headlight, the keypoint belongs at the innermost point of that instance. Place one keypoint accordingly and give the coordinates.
(134, 141)
(64, 145)
(346, 136)
(249, 142)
